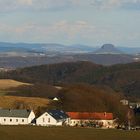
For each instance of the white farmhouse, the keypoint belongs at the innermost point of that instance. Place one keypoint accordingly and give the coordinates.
(16, 117)
(53, 118)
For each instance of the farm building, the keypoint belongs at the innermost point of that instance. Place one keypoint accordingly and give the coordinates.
(52, 118)
(16, 117)
(55, 99)
(124, 102)
(85, 118)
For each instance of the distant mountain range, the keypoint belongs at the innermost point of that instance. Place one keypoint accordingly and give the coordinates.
(23, 55)
(53, 48)
(40, 49)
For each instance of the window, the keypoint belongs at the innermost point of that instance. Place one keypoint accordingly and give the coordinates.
(22, 120)
(16, 120)
(4, 120)
(48, 120)
(43, 119)
(61, 117)
(10, 120)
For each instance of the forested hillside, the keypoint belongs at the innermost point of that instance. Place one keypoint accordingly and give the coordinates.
(76, 97)
(123, 77)
(84, 97)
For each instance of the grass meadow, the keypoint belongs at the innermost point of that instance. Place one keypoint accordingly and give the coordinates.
(61, 133)
(8, 83)
(12, 101)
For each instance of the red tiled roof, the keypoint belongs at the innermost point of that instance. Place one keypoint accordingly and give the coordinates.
(92, 116)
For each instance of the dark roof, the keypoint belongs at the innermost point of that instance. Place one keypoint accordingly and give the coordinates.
(58, 114)
(14, 113)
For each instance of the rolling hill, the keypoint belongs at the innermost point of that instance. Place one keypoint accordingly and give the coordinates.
(72, 97)
(9, 83)
(20, 61)
(16, 102)
(119, 77)
(86, 87)
(84, 97)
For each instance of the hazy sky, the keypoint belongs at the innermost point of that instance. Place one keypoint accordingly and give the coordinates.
(91, 22)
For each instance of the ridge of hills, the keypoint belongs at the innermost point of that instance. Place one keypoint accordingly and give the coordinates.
(56, 47)
(122, 77)
(15, 55)
(28, 61)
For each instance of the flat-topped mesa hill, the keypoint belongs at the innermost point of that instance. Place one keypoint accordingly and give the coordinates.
(108, 49)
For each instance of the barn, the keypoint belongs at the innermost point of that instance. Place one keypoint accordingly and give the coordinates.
(104, 119)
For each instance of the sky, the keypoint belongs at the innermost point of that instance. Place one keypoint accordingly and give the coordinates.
(90, 22)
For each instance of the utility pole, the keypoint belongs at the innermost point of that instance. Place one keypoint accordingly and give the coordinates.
(129, 117)
(129, 125)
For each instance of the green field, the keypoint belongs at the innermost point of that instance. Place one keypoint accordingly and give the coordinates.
(44, 133)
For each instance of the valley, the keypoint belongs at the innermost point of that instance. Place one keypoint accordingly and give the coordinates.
(21, 55)
(99, 79)
(99, 87)
(69, 69)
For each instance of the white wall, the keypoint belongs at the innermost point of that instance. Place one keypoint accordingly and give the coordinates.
(17, 120)
(31, 117)
(47, 120)
(106, 123)
(13, 121)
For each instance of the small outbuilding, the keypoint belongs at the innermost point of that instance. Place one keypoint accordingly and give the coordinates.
(55, 99)
(124, 102)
